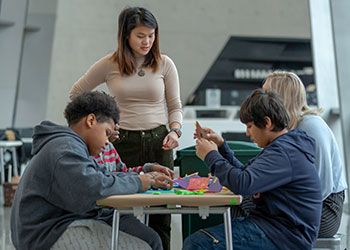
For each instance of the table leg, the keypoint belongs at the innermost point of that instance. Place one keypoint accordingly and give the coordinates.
(2, 165)
(115, 230)
(228, 229)
(146, 219)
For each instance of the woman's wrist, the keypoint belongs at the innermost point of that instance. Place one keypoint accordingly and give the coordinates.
(177, 131)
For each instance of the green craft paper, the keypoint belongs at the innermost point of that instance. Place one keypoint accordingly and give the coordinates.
(233, 201)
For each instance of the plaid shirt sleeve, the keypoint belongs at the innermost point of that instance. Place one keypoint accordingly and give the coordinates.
(111, 161)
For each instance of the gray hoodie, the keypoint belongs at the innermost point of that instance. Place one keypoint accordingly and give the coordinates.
(61, 184)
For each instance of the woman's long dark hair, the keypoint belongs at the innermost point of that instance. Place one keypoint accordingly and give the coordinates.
(129, 19)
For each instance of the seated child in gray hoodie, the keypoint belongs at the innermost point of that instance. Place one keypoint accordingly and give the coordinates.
(55, 204)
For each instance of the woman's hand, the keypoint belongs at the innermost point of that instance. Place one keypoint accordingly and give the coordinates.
(203, 147)
(170, 141)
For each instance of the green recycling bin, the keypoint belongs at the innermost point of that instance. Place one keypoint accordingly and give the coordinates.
(189, 163)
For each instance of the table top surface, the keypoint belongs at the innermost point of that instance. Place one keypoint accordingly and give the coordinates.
(8, 144)
(27, 140)
(146, 199)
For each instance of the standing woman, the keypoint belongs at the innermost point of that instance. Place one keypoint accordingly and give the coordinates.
(146, 86)
(327, 159)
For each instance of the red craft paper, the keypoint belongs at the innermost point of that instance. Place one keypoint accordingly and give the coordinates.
(198, 183)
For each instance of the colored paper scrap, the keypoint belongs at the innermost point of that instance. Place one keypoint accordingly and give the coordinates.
(191, 176)
(186, 192)
(160, 191)
(198, 183)
(181, 183)
(214, 185)
(233, 201)
(200, 132)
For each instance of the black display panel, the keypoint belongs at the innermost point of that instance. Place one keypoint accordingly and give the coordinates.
(244, 62)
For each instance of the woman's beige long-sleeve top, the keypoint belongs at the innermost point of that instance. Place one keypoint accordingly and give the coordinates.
(145, 102)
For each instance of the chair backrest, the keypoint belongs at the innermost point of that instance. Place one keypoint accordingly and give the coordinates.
(26, 134)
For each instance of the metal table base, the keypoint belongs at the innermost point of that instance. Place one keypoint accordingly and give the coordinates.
(202, 211)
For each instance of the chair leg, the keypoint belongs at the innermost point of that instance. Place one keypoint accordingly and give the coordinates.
(9, 173)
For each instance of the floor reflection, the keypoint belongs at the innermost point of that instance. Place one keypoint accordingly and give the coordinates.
(5, 237)
(345, 228)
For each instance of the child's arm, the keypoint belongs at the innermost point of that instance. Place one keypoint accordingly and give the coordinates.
(111, 160)
(229, 155)
(146, 168)
(121, 166)
(270, 169)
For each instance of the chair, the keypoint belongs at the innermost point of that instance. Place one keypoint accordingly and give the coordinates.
(4, 146)
(337, 242)
(26, 137)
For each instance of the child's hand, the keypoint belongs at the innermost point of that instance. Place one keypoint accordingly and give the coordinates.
(114, 135)
(203, 147)
(256, 196)
(162, 169)
(161, 180)
(147, 181)
(211, 135)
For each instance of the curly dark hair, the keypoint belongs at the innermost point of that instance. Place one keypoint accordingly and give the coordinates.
(261, 104)
(102, 105)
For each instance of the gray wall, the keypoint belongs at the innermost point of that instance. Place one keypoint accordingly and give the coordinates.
(341, 20)
(25, 60)
(327, 24)
(36, 63)
(192, 33)
(34, 76)
(11, 36)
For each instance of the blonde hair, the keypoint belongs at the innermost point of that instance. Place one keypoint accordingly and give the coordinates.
(292, 91)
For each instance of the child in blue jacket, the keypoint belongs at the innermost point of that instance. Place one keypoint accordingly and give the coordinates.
(282, 179)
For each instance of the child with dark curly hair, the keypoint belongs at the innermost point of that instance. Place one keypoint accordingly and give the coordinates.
(55, 203)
